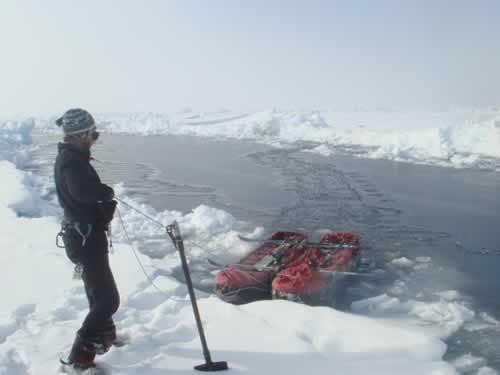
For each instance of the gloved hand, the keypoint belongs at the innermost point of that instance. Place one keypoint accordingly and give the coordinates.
(105, 213)
(109, 194)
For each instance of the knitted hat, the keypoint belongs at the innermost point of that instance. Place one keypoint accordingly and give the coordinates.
(76, 121)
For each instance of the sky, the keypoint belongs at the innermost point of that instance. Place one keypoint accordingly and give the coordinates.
(164, 56)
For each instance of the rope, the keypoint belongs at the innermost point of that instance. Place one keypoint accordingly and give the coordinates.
(249, 275)
(140, 212)
(162, 225)
(133, 248)
(137, 256)
(482, 251)
(238, 267)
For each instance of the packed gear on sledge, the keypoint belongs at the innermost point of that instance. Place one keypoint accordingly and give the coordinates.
(288, 266)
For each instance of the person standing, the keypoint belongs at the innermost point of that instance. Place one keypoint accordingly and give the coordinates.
(88, 207)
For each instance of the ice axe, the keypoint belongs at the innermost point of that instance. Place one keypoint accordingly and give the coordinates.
(175, 234)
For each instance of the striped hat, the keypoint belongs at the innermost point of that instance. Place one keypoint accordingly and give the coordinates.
(76, 121)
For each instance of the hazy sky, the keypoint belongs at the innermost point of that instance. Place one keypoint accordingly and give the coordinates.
(166, 55)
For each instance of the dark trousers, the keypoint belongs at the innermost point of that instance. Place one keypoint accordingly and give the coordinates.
(98, 280)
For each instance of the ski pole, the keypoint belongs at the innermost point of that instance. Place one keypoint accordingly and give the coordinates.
(175, 234)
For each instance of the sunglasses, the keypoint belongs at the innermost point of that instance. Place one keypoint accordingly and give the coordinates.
(95, 135)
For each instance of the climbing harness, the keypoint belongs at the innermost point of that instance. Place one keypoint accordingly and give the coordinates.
(65, 225)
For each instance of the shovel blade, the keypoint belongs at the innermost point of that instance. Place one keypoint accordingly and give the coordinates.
(212, 366)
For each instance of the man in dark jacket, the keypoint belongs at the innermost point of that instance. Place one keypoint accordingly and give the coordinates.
(88, 210)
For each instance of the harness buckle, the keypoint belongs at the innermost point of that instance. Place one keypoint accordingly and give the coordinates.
(77, 227)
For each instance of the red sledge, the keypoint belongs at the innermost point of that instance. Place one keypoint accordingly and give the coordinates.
(288, 266)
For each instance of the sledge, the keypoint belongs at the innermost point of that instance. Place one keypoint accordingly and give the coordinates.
(288, 266)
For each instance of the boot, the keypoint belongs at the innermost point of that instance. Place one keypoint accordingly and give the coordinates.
(105, 340)
(82, 354)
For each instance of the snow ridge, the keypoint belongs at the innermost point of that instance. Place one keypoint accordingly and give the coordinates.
(460, 138)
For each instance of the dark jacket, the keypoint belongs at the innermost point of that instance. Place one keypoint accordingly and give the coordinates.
(79, 188)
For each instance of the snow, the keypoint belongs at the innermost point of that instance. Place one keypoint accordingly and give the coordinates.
(44, 307)
(14, 135)
(468, 362)
(444, 317)
(322, 149)
(485, 322)
(456, 138)
(449, 295)
(485, 370)
(403, 262)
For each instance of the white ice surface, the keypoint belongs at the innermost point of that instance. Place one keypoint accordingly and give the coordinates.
(42, 307)
(459, 138)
